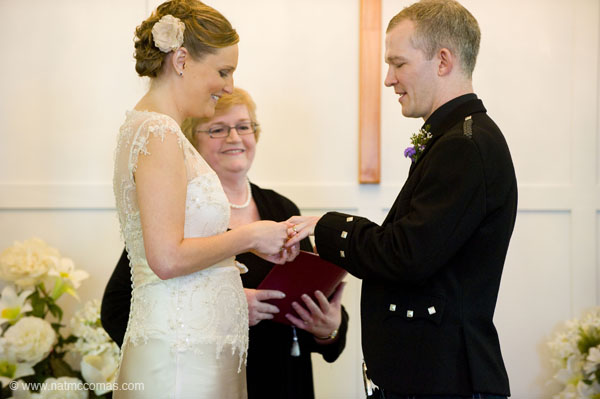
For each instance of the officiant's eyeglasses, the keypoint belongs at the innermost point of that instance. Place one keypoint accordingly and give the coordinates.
(222, 131)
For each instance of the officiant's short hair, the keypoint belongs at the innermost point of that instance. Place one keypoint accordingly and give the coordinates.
(226, 102)
(443, 24)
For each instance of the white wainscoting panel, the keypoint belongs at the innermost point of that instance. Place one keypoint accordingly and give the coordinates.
(535, 296)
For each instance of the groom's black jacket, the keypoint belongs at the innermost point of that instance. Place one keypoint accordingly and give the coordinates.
(431, 272)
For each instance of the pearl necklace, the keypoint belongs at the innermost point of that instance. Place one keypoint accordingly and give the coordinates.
(245, 204)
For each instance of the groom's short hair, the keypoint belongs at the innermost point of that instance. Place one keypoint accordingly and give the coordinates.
(443, 24)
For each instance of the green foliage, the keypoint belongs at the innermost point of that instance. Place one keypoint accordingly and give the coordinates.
(419, 141)
(62, 368)
(588, 338)
(37, 303)
(43, 304)
(6, 392)
(421, 138)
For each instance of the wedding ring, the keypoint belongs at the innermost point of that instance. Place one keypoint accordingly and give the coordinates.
(294, 228)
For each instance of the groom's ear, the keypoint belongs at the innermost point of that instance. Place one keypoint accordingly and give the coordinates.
(446, 62)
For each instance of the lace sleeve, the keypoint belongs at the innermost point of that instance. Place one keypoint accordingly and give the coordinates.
(134, 135)
(152, 128)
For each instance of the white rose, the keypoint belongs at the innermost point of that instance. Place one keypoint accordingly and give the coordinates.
(168, 33)
(100, 370)
(28, 262)
(63, 388)
(30, 340)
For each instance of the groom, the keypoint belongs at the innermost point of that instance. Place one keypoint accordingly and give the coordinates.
(431, 272)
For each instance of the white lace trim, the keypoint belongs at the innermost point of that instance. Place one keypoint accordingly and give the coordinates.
(180, 310)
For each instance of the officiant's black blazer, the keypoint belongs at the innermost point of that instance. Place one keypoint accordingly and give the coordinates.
(431, 272)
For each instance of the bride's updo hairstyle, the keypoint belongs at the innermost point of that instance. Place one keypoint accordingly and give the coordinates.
(206, 30)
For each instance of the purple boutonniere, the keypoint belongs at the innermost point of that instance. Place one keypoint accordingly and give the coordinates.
(419, 143)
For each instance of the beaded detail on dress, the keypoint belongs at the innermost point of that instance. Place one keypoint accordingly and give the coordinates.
(208, 306)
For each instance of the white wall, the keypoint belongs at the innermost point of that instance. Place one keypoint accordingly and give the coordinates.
(68, 77)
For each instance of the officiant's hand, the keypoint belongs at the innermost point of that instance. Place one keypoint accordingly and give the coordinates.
(320, 320)
(301, 227)
(259, 310)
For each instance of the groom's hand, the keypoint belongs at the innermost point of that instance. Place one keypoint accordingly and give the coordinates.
(301, 227)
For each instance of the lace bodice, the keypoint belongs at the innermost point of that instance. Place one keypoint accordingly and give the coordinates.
(207, 210)
(208, 306)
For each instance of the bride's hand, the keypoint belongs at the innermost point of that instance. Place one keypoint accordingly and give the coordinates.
(283, 256)
(268, 237)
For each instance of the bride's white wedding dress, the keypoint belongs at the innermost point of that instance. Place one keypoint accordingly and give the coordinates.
(187, 337)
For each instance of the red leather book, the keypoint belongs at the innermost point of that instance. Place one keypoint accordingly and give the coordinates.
(304, 275)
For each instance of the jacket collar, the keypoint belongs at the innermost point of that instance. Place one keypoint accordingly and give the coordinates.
(453, 112)
(447, 116)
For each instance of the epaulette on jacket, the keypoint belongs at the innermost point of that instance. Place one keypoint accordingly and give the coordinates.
(468, 127)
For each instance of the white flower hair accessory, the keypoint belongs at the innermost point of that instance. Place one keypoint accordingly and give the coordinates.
(168, 33)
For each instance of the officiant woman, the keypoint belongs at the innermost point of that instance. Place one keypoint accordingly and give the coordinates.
(276, 367)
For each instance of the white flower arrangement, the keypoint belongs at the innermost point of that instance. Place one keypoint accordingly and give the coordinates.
(27, 263)
(11, 369)
(54, 388)
(100, 354)
(168, 33)
(576, 356)
(32, 348)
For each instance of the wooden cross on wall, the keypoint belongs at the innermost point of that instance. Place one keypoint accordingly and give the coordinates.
(369, 142)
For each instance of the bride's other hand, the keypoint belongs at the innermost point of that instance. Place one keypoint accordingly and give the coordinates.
(283, 256)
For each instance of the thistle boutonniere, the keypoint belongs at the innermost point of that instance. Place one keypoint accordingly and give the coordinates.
(419, 143)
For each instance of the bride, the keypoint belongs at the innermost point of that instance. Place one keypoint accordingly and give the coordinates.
(187, 333)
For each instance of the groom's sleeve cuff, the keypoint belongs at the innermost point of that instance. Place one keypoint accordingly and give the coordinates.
(333, 236)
